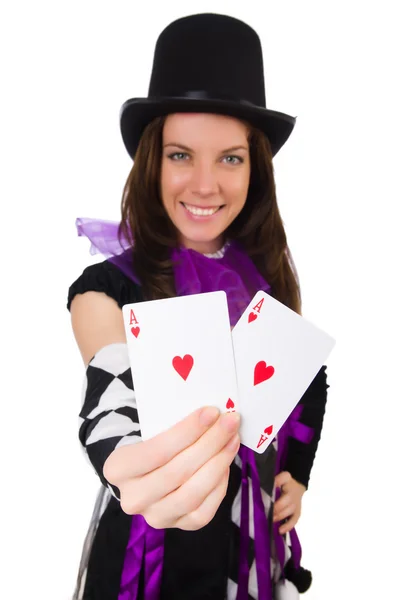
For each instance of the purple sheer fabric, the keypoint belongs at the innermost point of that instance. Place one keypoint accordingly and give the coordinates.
(195, 273)
(103, 236)
(234, 273)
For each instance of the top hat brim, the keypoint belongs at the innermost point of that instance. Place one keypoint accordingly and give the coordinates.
(137, 113)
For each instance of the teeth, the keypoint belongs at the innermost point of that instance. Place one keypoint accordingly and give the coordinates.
(201, 212)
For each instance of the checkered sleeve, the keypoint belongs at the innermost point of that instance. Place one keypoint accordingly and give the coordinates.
(108, 417)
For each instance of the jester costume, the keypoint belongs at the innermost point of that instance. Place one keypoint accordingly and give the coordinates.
(240, 554)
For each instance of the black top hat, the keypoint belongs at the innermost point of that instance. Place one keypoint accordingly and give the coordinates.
(206, 63)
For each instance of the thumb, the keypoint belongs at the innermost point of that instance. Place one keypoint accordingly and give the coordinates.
(282, 478)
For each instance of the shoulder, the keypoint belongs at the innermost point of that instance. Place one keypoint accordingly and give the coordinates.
(107, 278)
(95, 300)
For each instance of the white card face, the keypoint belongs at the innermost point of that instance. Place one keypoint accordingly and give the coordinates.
(277, 354)
(181, 356)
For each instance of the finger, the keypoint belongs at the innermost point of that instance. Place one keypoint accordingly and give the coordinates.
(185, 464)
(138, 459)
(189, 497)
(206, 511)
(282, 503)
(282, 478)
(159, 483)
(161, 449)
(285, 513)
(290, 524)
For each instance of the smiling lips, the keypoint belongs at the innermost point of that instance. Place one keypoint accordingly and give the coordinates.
(201, 212)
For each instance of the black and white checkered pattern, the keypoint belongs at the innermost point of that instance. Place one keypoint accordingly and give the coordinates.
(109, 417)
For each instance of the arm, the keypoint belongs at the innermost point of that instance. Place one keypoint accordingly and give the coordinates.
(96, 321)
(300, 456)
(175, 479)
(296, 467)
(108, 419)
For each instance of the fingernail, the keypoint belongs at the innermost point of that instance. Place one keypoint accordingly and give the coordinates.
(230, 421)
(209, 415)
(234, 443)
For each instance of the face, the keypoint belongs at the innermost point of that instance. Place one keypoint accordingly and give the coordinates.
(204, 176)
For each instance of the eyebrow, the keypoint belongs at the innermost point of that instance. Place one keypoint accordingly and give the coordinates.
(232, 149)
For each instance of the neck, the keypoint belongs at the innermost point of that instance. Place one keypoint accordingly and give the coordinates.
(206, 248)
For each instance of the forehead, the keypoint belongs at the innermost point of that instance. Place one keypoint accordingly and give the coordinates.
(204, 125)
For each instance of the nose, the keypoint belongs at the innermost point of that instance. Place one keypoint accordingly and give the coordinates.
(203, 180)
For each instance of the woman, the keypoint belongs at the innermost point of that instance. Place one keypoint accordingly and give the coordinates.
(190, 514)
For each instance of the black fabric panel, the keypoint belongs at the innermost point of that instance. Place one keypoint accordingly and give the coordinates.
(132, 414)
(107, 555)
(126, 378)
(300, 456)
(196, 562)
(266, 465)
(107, 278)
(98, 380)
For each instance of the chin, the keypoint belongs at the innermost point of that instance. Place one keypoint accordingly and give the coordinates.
(205, 243)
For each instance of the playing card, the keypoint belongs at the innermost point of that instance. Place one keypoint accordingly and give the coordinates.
(181, 356)
(277, 355)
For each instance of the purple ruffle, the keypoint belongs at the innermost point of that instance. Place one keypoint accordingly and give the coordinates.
(194, 273)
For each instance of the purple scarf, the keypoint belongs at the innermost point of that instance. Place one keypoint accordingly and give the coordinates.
(195, 273)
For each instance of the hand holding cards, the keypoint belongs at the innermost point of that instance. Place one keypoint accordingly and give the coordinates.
(179, 477)
(184, 356)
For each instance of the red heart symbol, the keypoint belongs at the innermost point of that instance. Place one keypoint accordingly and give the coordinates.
(135, 331)
(268, 430)
(230, 403)
(183, 366)
(262, 372)
(251, 317)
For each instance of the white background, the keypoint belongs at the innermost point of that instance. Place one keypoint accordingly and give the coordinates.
(66, 68)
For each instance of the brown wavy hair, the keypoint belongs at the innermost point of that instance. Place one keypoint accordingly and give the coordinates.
(258, 227)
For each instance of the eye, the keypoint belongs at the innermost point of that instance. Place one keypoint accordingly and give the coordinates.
(179, 154)
(238, 159)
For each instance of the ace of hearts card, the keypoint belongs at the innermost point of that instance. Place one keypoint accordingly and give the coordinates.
(181, 357)
(277, 354)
